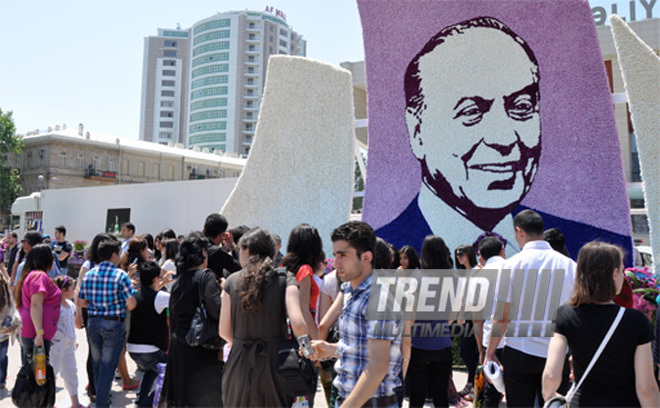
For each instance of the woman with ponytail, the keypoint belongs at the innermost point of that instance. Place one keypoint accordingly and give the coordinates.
(253, 321)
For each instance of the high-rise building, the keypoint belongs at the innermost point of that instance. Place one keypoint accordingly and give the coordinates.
(164, 87)
(223, 68)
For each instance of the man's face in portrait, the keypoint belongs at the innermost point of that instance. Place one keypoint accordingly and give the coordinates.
(478, 133)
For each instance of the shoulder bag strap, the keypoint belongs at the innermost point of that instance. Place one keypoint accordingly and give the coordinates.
(200, 286)
(607, 338)
(281, 280)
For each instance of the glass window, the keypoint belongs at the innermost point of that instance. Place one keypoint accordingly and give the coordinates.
(81, 161)
(166, 93)
(166, 104)
(211, 25)
(167, 82)
(167, 124)
(165, 135)
(63, 161)
(170, 43)
(169, 72)
(169, 63)
(169, 53)
(111, 165)
(166, 114)
(96, 162)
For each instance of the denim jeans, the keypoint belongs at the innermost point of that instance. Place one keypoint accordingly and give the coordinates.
(27, 347)
(106, 338)
(148, 362)
(4, 345)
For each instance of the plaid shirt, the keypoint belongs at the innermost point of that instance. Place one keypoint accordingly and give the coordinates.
(354, 332)
(106, 287)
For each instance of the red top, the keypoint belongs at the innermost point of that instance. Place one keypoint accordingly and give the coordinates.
(303, 272)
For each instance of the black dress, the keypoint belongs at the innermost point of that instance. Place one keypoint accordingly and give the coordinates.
(194, 374)
(611, 381)
(250, 378)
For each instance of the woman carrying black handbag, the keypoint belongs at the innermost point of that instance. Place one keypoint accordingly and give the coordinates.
(253, 321)
(193, 376)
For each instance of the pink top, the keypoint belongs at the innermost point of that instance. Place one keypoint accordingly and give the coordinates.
(36, 282)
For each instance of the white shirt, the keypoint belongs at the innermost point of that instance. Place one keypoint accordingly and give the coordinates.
(536, 256)
(330, 287)
(169, 266)
(496, 263)
(161, 302)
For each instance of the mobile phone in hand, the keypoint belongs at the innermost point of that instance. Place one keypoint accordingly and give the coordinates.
(306, 344)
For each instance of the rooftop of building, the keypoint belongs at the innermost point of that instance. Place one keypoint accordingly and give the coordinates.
(76, 135)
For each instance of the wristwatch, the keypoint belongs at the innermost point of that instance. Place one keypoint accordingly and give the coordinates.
(40, 332)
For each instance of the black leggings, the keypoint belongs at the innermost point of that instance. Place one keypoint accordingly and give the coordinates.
(429, 367)
(89, 367)
(469, 350)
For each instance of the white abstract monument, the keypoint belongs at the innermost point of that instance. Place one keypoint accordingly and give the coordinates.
(300, 166)
(640, 68)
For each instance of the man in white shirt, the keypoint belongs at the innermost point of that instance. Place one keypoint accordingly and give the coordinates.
(524, 356)
(491, 256)
(127, 232)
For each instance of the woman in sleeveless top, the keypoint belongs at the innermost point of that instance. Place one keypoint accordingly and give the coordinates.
(623, 374)
(253, 322)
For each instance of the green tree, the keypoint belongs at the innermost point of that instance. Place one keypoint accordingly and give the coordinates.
(10, 143)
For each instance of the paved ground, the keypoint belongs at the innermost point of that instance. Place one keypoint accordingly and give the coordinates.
(119, 398)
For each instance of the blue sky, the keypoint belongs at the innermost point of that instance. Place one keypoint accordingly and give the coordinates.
(80, 61)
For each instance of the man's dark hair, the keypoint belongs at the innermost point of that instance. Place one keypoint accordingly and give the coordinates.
(382, 255)
(13, 234)
(215, 225)
(556, 240)
(359, 235)
(490, 247)
(33, 238)
(168, 233)
(529, 221)
(108, 247)
(413, 81)
(148, 271)
(61, 229)
(129, 225)
(237, 233)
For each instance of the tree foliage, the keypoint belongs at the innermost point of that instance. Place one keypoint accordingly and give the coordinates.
(10, 144)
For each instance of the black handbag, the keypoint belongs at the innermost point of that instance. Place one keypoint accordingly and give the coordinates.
(203, 331)
(27, 393)
(296, 373)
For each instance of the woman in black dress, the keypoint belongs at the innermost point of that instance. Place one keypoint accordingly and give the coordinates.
(193, 376)
(253, 322)
(623, 374)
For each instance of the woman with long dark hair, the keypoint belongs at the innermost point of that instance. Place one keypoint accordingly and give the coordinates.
(408, 258)
(194, 374)
(254, 322)
(431, 357)
(623, 374)
(38, 300)
(304, 253)
(465, 257)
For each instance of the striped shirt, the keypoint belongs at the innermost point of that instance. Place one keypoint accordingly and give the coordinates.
(355, 331)
(107, 288)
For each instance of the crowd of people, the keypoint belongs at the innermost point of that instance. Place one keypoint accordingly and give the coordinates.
(205, 318)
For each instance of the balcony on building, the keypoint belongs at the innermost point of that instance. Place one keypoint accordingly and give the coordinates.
(100, 175)
(253, 74)
(247, 140)
(252, 108)
(248, 131)
(252, 62)
(256, 39)
(249, 119)
(250, 96)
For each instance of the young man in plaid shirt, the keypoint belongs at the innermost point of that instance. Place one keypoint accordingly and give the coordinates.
(369, 360)
(107, 292)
